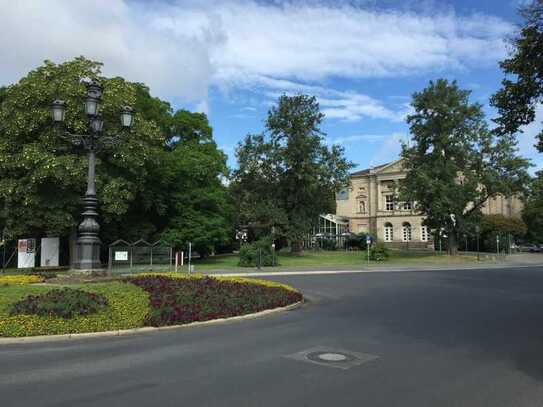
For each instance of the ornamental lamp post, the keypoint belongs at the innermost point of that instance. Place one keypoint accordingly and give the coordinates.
(88, 241)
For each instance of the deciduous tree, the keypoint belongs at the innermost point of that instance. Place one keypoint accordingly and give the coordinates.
(288, 176)
(454, 162)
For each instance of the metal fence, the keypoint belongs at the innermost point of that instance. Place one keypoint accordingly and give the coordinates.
(140, 256)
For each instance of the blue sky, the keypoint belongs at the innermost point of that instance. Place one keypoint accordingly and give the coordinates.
(232, 59)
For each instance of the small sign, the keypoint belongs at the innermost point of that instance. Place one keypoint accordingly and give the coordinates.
(26, 256)
(121, 256)
(368, 239)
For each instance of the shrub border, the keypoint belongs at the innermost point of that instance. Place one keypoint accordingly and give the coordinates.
(136, 331)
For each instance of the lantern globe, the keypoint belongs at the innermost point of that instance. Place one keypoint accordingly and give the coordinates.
(97, 123)
(92, 106)
(58, 109)
(127, 117)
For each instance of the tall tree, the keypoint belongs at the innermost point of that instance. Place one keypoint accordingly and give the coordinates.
(455, 163)
(42, 175)
(532, 214)
(522, 88)
(200, 210)
(288, 176)
(145, 184)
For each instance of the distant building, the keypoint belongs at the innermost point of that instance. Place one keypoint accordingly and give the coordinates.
(368, 205)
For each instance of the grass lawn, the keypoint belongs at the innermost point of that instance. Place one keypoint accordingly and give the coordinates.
(339, 258)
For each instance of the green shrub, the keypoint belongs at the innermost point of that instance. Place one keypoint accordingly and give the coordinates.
(249, 255)
(358, 241)
(64, 303)
(379, 252)
(329, 244)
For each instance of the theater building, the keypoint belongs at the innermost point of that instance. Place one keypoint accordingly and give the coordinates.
(368, 205)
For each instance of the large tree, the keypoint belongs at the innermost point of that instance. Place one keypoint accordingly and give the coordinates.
(454, 162)
(522, 88)
(288, 176)
(532, 213)
(145, 184)
(200, 208)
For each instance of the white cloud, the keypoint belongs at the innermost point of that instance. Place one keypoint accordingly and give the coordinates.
(181, 48)
(390, 149)
(357, 138)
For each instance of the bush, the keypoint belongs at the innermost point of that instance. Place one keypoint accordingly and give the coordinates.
(184, 300)
(249, 255)
(379, 252)
(20, 279)
(358, 241)
(329, 244)
(63, 303)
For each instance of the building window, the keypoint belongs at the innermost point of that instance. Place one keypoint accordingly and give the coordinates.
(406, 229)
(361, 206)
(388, 232)
(424, 236)
(407, 206)
(389, 202)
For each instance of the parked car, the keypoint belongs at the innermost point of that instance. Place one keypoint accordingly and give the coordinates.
(530, 247)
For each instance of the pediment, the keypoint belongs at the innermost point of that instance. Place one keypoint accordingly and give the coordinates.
(393, 167)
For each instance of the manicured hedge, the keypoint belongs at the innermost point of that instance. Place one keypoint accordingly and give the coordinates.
(183, 300)
(127, 308)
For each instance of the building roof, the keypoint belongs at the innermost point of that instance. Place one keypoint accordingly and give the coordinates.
(377, 168)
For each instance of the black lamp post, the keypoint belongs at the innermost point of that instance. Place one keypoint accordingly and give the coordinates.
(88, 242)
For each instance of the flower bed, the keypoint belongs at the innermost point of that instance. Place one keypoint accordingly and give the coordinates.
(65, 303)
(128, 307)
(183, 300)
(20, 279)
(150, 299)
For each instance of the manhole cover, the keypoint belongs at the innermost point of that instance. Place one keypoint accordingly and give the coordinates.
(332, 357)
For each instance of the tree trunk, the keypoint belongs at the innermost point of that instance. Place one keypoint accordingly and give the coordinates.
(296, 247)
(453, 243)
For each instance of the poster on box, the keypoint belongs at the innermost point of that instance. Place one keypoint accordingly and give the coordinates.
(26, 253)
(50, 247)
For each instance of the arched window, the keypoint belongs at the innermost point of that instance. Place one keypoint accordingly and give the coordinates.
(406, 229)
(388, 232)
(361, 206)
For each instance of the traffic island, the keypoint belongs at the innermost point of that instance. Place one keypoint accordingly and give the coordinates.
(149, 300)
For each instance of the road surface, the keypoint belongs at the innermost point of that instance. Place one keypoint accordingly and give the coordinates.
(446, 338)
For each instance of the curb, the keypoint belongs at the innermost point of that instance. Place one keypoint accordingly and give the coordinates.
(136, 331)
(376, 270)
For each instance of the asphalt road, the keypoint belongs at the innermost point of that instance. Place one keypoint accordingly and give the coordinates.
(449, 338)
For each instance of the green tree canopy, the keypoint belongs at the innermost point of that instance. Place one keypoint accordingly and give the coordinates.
(288, 176)
(455, 163)
(144, 185)
(532, 213)
(522, 89)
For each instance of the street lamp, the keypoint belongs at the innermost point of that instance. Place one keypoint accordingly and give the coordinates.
(88, 242)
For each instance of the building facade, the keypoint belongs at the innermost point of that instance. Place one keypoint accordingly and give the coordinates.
(368, 206)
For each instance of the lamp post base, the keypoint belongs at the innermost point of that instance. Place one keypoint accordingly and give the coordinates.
(88, 256)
